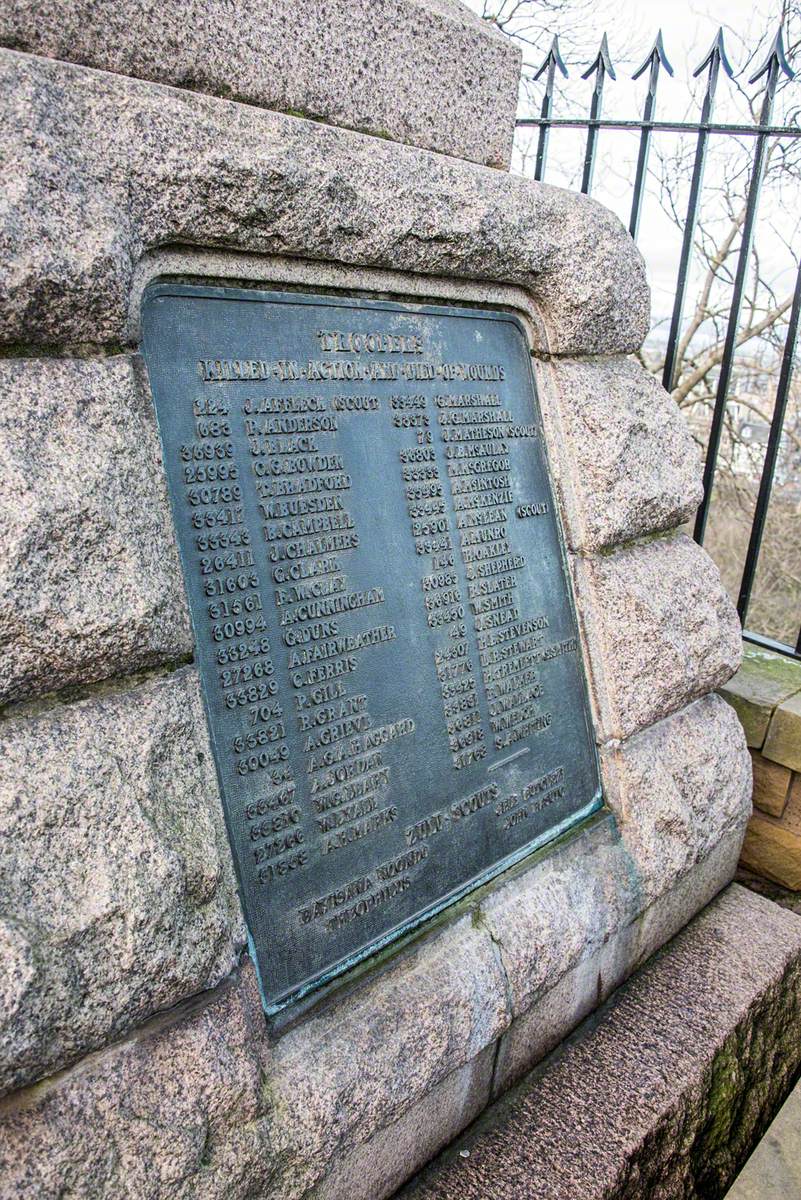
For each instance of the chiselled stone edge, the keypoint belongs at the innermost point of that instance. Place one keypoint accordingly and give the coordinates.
(231, 267)
(571, 253)
(485, 138)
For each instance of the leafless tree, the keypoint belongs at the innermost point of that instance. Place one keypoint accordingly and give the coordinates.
(760, 341)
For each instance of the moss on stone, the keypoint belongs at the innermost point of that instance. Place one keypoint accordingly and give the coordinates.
(765, 680)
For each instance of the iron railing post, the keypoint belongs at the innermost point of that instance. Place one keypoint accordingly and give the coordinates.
(601, 67)
(774, 64)
(656, 59)
(553, 60)
(715, 58)
(771, 455)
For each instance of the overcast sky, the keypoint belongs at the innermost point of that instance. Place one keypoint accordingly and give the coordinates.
(689, 27)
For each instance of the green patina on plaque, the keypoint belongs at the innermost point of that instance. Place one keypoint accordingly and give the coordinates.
(383, 620)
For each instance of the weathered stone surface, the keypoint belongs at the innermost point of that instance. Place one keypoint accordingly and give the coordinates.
(764, 680)
(783, 740)
(431, 1013)
(677, 790)
(773, 850)
(429, 74)
(537, 1031)
(659, 627)
(558, 913)
(773, 891)
(155, 1116)
(631, 466)
(207, 1106)
(771, 784)
(665, 1094)
(376, 1169)
(90, 583)
(680, 788)
(103, 168)
(118, 895)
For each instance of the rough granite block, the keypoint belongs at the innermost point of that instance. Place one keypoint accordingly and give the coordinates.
(764, 680)
(666, 1090)
(112, 168)
(660, 630)
(426, 72)
(90, 584)
(381, 1165)
(630, 465)
(771, 784)
(202, 1104)
(118, 893)
(537, 1031)
(783, 739)
(678, 789)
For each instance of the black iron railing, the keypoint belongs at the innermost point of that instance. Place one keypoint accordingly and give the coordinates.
(763, 131)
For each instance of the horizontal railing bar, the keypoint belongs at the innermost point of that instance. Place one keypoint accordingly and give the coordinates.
(767, 643)
(661, 126)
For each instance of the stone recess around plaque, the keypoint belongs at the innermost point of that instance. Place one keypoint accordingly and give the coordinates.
(382, 613)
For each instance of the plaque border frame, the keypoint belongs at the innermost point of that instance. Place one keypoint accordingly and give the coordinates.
(282, 1014)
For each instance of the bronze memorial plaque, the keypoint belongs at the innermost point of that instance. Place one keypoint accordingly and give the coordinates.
(383, 621)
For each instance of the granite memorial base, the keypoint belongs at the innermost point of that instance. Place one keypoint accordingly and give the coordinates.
(666, 1085)
(136, 1056)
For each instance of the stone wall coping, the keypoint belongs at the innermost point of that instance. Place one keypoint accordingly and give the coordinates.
(765, 682)
(113, 168)
(426, 74)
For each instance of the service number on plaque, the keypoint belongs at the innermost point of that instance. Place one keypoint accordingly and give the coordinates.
(383, 622)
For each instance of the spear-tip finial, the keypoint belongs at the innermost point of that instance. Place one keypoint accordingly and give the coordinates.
(655, 54)
(716, 51)
(552, 59)
(776, 58)
(601, 62)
